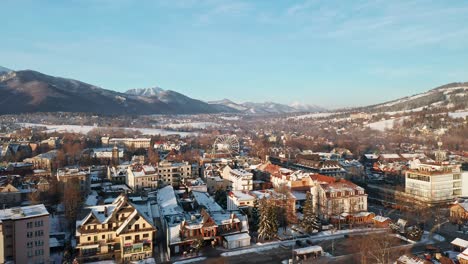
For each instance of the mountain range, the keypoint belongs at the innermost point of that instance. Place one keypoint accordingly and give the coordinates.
(31, 91)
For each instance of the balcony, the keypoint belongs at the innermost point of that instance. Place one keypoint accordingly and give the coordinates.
(97, 231)
(137, 248)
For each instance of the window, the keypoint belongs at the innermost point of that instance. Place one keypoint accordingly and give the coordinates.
(145, 235)
(29, 225)
(30, 244)
(38, 223)
(456, 176)
(89, 238)
(128, 238)
(29, 234)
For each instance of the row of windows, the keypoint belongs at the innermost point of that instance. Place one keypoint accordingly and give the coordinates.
(36, 224)
(37, 243)
(37, 252)
(136, 237)
(419, 177)
(35, 233)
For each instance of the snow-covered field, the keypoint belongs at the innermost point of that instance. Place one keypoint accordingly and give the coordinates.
(314, 115)
(385, 124)
(199, 125)
(458, 114)
(86, 129)
(382, 125)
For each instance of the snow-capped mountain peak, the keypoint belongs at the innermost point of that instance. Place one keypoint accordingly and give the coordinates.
(147, 92)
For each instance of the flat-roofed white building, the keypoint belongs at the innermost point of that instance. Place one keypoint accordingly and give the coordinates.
(433, 183)
(173, 173)
(127, 142)
(141, 177)
(239, 199)
(241, 180)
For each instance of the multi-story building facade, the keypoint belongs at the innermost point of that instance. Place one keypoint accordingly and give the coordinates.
(241, 180)
(117, 174)
(43, 161)
(174, 173)
(239, 199)
(127, 142)
(75, 176)
(141, 177)
(24, 235)
(332, 199)
(116, 231)
(434, 183)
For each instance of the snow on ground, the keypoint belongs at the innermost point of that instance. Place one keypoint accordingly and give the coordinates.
(251, 250)
(190, 260)
(385, 124)
(458, 114)
(426, 238)
(229, 117)
(319, 236)
(199, 125)
(86, 129)
(405, 111)
(314, 115)
(382, 125)
(92, 200)
(406, 99)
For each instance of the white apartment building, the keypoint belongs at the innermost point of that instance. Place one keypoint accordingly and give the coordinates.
(24, 235)
(141, 177)
(173, 173)
(241, 180)
(127, 142)
(434, 183)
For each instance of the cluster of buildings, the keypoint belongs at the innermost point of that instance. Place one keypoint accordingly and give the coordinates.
(189, 218)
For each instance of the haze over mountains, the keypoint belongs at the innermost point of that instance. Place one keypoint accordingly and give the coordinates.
(31, 91)
(3, 69)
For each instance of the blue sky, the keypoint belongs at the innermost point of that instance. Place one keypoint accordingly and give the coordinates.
(329, 53)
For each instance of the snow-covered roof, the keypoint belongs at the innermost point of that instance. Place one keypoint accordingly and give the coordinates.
(236, 237)
(390, 156)
(174, 234)
(460, 242)
(410, 260)
(463, 255)
(241, 196)
(23, 212)
(371, 156)
(204, 199)
(224, 218)
(308, 250)
(380, 218)
(168, 202)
